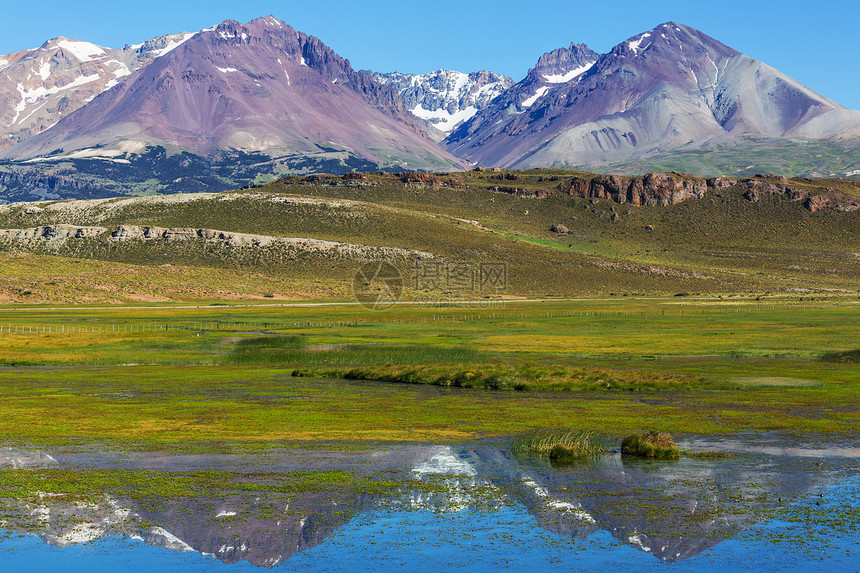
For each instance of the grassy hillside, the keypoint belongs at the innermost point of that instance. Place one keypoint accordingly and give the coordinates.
(801, 158)
(720, 245)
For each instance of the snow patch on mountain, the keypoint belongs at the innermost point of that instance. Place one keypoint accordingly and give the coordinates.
(568, 76)
(635, 45)
(442, 119)
(174, 43)
(83, 51)
(541, 91)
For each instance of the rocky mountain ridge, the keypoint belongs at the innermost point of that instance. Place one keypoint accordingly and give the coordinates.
(446, 98)
(668, 88)
(261, 87)
(240, 104)
(39, 87)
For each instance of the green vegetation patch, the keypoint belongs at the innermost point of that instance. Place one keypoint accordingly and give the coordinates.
(651, 444)
(848, 356)
(560, 444)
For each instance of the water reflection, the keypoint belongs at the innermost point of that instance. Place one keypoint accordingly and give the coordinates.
(673, 510)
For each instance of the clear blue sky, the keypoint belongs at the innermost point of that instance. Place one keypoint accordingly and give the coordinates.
(816, 43)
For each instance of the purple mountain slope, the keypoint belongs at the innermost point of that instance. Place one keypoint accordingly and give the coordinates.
(261, 87)
(671, 87)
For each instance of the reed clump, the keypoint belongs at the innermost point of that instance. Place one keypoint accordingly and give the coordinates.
(656, 445)
(560, 444)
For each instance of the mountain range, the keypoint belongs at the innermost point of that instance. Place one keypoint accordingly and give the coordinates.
(665, 89)
(238, 104)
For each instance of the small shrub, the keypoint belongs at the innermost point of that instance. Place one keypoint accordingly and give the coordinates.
(465, 380)
(496, 382)
(656, 445)
(408, 378)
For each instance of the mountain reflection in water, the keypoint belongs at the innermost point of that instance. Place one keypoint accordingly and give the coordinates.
(673, 510)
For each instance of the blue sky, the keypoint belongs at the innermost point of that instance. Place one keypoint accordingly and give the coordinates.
(815, 43)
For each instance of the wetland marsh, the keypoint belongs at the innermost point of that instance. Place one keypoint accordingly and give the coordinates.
(295, 436)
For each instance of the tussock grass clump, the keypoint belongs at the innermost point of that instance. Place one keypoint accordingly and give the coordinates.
(652, 444)
(845, 357)
(560, 444)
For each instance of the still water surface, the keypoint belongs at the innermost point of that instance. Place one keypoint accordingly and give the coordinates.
(474, 507)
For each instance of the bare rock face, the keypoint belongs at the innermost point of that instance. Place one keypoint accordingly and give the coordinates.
(720, 183)
(560, 229)
(837, 202)
(51, 233)
(653, 189)
(816, 203)
(145, 233)
(669, 189)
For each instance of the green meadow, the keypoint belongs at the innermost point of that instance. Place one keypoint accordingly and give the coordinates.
(715, 315)
(249, 376)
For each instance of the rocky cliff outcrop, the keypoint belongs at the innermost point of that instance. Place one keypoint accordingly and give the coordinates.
(772, 185)
(652, 189)
(230, 239)
(51, 233)
(139, 232)
(662, 189)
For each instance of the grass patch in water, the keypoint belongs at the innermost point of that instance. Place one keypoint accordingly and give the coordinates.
(652, 444)
(560, 444)
(709, 455)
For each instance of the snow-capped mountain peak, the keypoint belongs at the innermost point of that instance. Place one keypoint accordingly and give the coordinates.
(446, 98)
(40, 86)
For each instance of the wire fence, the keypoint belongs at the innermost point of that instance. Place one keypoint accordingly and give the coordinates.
(262, 326)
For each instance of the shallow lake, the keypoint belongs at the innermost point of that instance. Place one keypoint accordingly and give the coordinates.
(776, 504)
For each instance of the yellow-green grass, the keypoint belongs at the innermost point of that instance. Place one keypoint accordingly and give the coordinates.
(560, 444)
(686, 365)
(720, 244)
(164, 406)
(650, 445)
